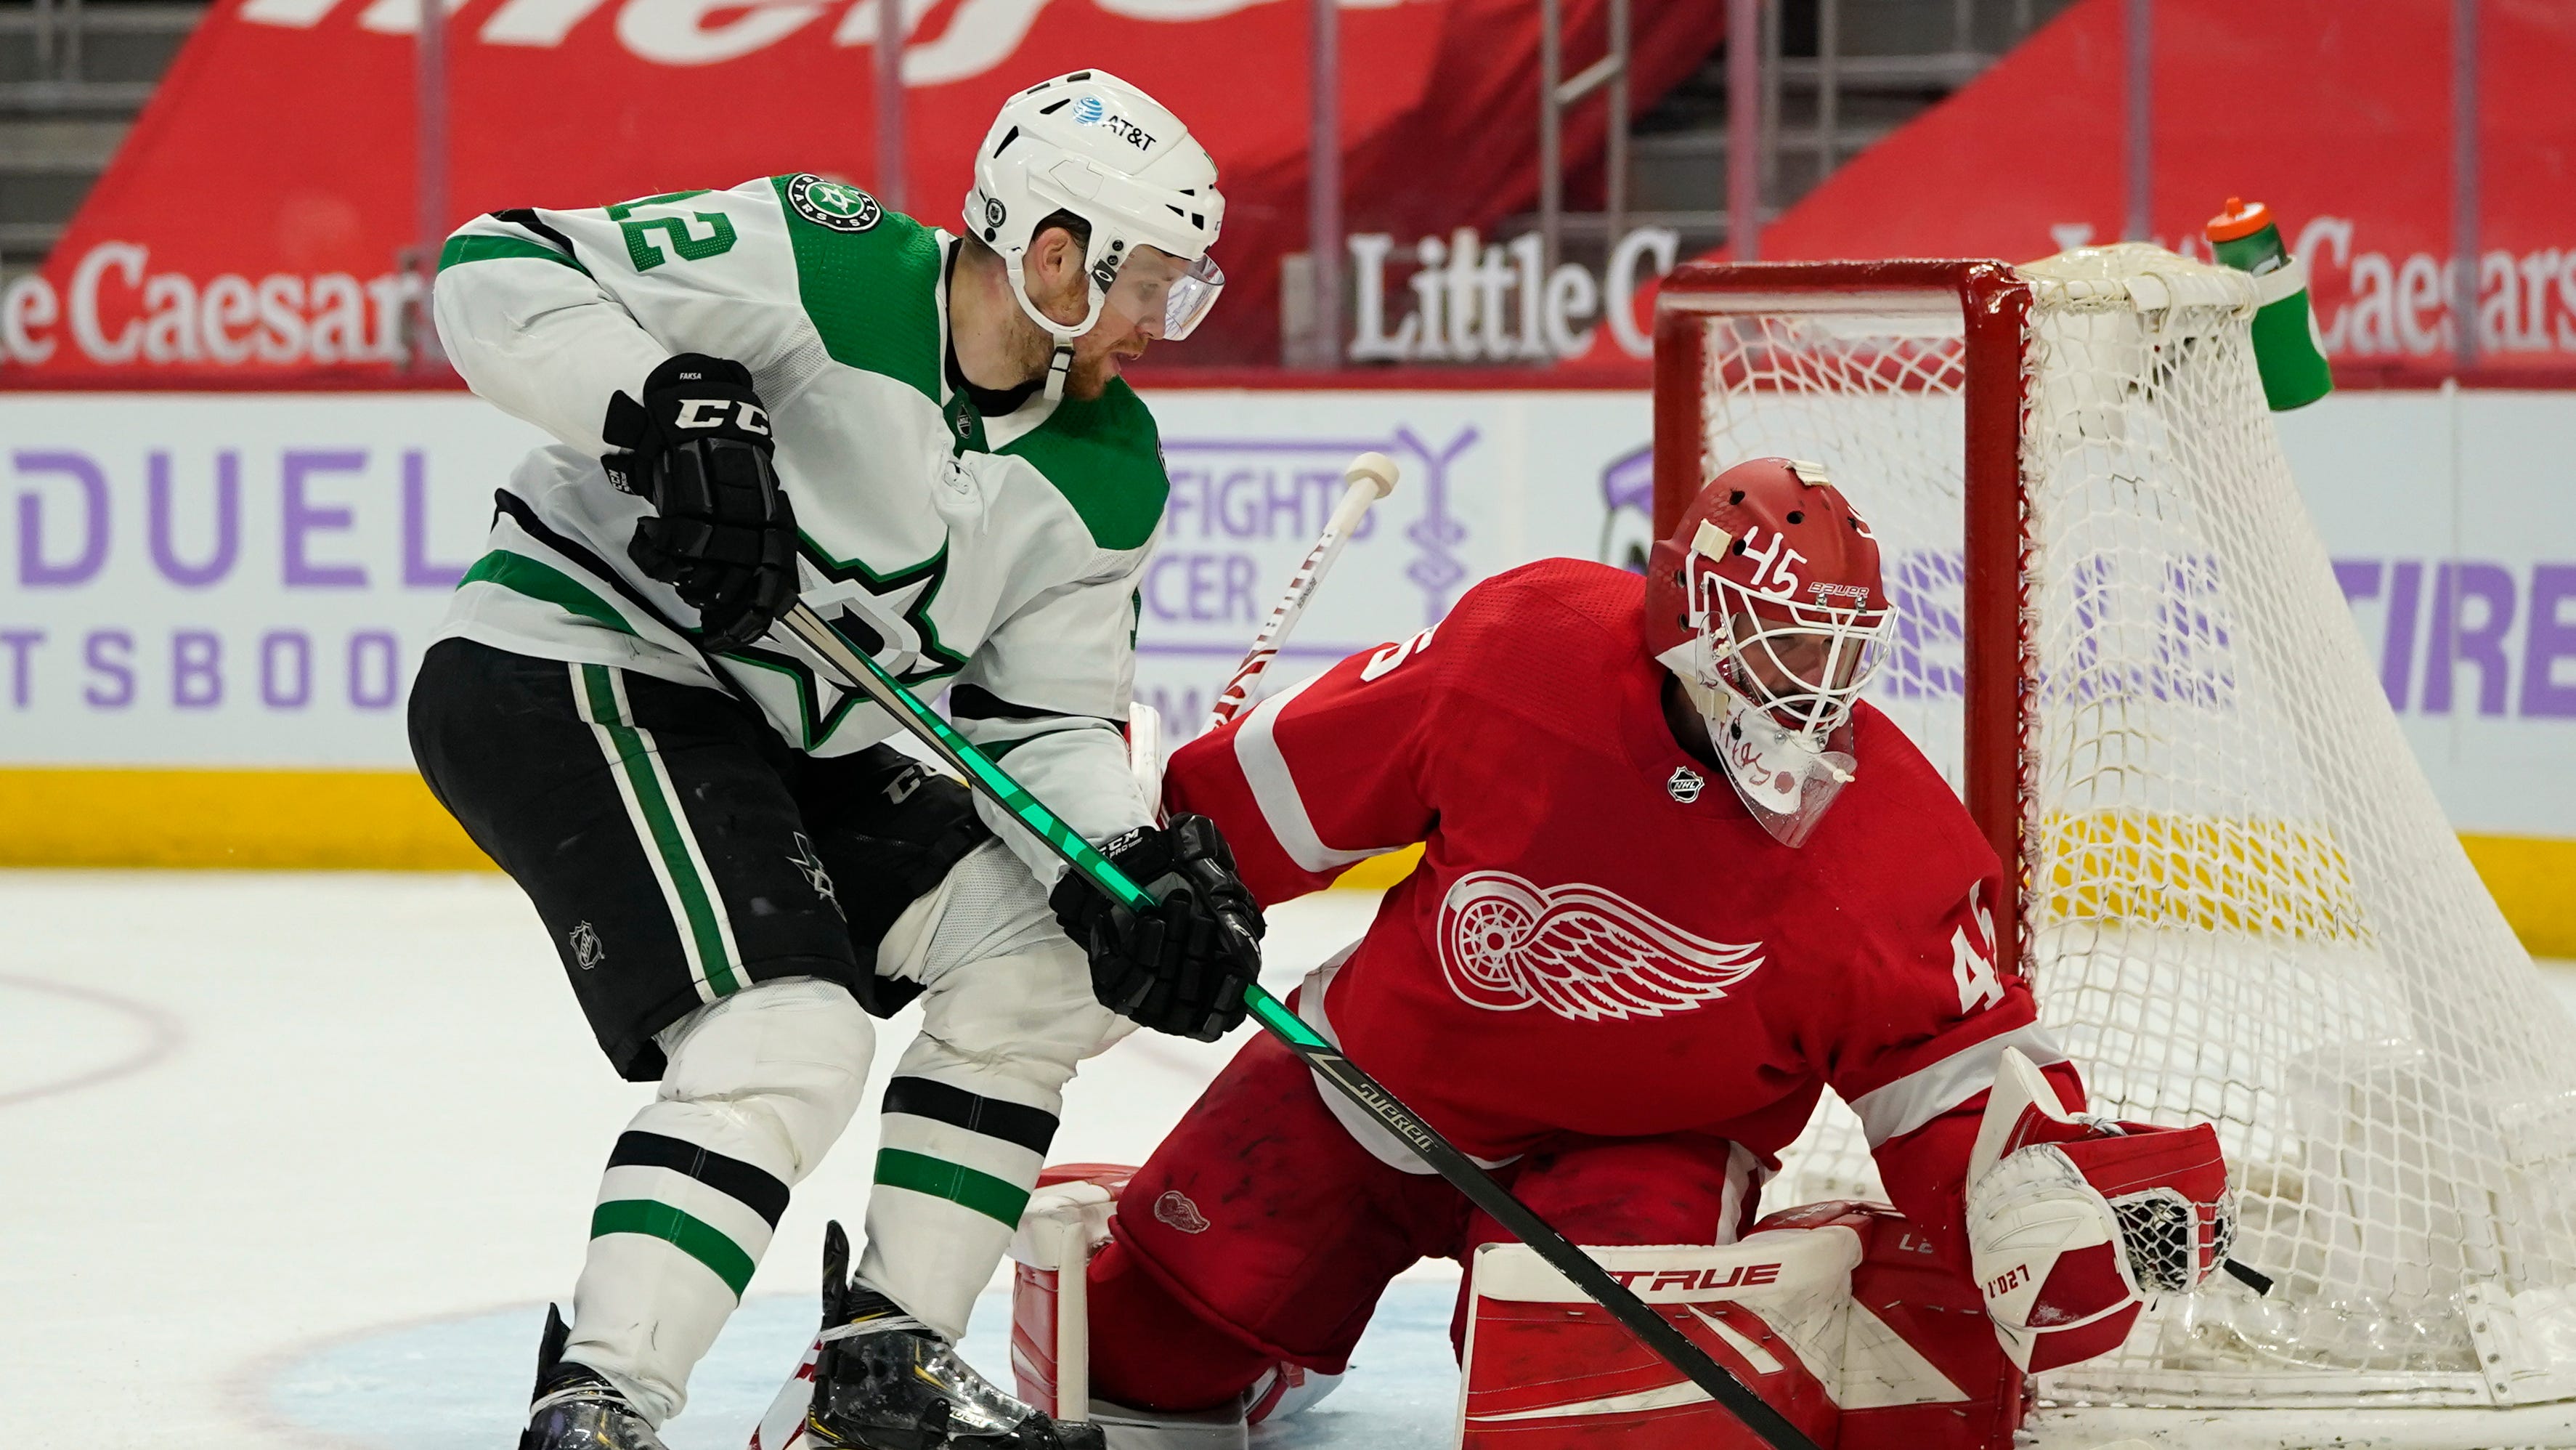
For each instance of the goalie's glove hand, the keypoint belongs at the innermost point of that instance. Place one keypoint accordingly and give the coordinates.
(721, 532)
(2073, 1221)
(1181, 965)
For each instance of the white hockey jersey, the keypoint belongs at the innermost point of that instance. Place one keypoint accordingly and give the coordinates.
(996, 558)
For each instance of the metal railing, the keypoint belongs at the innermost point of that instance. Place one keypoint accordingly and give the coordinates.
(58, 31)
(61, 36)
(1559, 93)
(1827, 135)
(75, 73)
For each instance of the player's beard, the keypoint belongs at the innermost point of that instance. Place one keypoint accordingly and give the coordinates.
(1090, 376)
(1095, 360)
(1086, 378)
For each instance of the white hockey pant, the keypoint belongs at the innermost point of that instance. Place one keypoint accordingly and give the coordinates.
(760, 1085)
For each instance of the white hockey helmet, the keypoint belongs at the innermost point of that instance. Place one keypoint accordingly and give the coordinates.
(1093, 145)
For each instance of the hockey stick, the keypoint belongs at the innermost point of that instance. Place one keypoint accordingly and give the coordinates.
(1370, 477)
(1652, 1329)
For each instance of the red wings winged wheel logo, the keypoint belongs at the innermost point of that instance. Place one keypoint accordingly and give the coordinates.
(1583, 953)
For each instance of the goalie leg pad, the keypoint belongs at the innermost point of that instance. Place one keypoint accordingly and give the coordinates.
(1837, 1314)
(1258, 1234)
(1261, 1214)
(1054, 1295)
(1545, 1369)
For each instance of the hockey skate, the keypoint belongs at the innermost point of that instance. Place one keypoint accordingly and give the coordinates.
(883, 1381)
(575, 1408)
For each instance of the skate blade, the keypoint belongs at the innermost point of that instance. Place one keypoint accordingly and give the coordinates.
(783, 1428)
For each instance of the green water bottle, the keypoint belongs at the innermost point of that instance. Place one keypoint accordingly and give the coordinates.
(2286, 349)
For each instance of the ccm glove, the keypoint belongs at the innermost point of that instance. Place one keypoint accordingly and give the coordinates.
(721, 533)
(1181, 965)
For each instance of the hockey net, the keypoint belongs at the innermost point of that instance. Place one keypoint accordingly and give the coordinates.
(2239, 900)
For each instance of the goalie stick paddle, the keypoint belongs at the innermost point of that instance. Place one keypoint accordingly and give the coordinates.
(1371, 476)
(1652, 1329)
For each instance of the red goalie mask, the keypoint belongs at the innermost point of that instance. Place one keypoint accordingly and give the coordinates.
(1766, 603)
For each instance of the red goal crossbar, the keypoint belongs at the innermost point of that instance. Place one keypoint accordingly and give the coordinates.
(1993, 304)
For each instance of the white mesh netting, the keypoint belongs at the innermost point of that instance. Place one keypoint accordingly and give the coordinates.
(2245, 903)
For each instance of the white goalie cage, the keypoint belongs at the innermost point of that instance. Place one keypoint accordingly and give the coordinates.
(2239, 901)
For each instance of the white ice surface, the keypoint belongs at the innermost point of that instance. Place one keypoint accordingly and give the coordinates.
(294, 1160)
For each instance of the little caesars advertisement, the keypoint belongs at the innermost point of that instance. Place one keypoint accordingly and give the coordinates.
(248, 581)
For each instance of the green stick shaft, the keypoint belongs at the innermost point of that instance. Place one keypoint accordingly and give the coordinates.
(878, 684)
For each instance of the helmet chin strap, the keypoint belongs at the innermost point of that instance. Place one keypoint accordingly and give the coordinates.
(1060, 362)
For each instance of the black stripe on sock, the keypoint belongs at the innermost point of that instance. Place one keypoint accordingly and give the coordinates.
(735, 1179)
(919, 1097)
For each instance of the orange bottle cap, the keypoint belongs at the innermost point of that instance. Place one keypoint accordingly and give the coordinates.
(2241, 219)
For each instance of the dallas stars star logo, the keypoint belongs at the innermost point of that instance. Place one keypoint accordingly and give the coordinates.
(884, 616)
(834, 204)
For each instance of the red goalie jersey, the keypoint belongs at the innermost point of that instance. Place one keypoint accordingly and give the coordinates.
(1600, 939)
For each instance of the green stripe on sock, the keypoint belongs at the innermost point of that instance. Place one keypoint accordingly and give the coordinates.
(664, 820)
(995, 1198)
(695, 1237)
(539, 580)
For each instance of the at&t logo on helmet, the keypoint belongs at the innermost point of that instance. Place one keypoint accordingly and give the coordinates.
(1090, 111)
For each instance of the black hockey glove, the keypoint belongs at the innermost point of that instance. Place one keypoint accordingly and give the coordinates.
(721, 532)
(1181, 967)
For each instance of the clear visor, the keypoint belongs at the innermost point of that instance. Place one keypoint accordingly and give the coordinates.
(1165, 295)
(1802, 664)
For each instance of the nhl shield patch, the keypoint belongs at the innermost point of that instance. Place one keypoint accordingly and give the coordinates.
(834, 204)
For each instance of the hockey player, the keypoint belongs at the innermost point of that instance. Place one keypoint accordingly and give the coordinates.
(785, 391)
(1622, 988)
